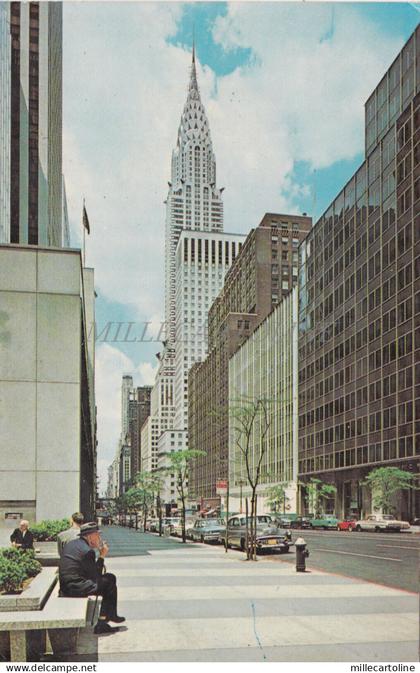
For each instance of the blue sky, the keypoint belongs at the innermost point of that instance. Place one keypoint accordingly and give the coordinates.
(284, 86)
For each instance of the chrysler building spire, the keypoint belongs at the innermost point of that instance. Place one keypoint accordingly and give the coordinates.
(193, 200)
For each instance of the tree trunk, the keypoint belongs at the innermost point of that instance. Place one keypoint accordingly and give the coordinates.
(247, 528)
(253, 525)
(183, 519)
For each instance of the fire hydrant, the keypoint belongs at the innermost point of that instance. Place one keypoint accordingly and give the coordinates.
(301, 555)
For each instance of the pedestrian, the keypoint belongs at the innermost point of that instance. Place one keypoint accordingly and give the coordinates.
(22, 537)
(81, 575)
(76, 520)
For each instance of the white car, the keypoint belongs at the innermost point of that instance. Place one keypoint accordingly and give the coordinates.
(381, 522)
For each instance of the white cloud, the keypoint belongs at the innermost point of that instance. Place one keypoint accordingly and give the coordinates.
(301, 99)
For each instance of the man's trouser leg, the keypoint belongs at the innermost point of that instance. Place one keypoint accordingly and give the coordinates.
(107, 588)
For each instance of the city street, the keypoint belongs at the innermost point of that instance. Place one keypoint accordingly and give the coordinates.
(195, 603)
(387, 558)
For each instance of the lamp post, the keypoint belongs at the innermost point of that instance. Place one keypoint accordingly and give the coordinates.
(240, 483)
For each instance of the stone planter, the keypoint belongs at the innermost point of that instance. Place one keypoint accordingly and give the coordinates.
(35, 596)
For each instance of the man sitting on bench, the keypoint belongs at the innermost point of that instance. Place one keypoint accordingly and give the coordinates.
(81, 575)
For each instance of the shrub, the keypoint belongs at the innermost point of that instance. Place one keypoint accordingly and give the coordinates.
(17, 565)
(47, 531)
(12, 575)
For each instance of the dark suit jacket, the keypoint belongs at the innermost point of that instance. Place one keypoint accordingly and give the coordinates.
(79, 571)
(27, 540)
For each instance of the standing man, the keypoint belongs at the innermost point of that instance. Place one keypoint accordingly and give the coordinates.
(22, 537)
(71, 533)
(81, 575)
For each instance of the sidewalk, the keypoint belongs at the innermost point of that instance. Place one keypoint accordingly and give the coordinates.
(199, 604)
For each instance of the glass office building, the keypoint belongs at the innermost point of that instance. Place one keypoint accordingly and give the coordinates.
(359, 322)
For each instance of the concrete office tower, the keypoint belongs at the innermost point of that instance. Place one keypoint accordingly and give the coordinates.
(31, 123)
(193, 201)
(359, 338)
(265, 366)
(47, 394)
(253, 287)
(138, 411)
(5, 75)
(126, 388)
(202, 260)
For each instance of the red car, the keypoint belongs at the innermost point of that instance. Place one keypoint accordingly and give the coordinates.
(347, 524)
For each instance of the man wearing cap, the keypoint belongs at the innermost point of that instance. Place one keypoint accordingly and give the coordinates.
(81, 575)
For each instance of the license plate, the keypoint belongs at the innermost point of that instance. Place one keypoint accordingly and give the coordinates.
(272, 541)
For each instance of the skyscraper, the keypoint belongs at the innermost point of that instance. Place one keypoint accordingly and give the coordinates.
(193, 201)
(194, 231)
(31, 209)
(359, 332)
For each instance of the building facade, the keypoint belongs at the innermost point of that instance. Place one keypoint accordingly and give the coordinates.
(5, 127)
(138, 411)
(359, 325)
(150, 434)
(31, 121)
(265, 368)
(202, 260)
(169, 441)
(253, 287)
(47, 392)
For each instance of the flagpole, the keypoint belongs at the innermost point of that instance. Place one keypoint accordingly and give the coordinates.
(84, 237)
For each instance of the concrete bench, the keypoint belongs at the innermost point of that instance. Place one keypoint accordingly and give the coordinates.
(61, 618)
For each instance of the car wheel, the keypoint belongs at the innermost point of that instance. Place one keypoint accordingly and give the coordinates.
(358, 529)
(350, 528)
(377, 529)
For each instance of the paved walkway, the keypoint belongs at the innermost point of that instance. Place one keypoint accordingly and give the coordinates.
(195, 603)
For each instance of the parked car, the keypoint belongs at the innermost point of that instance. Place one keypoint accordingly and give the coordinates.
(152, 525)
(269, 536)
(326, 522)
(281, 520)
(206, 530)
(171, 521)
(347, 524)
(177, 527)
(382, 522)
(301, 522)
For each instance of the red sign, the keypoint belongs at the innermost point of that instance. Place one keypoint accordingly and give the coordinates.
(221, 487)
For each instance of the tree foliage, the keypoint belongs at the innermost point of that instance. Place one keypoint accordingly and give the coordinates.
(276, 497)
(179, 464)
(317, 493)
(384, 483)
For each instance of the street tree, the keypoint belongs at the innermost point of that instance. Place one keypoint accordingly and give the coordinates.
(147, 484)
(277, 498)
(179, 464)
(318, 492)
(384, 483)
(250, 421)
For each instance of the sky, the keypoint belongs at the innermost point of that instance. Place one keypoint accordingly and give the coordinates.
(284, 86)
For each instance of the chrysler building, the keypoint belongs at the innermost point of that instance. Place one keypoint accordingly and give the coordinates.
(197, 256)
(193, 200)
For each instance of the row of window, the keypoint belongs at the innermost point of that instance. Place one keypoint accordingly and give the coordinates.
(374, 453)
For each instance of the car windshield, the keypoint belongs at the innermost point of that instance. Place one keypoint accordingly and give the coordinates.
(214, 523)
(264, 519)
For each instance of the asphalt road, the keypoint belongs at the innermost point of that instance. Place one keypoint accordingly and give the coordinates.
(391, 559)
